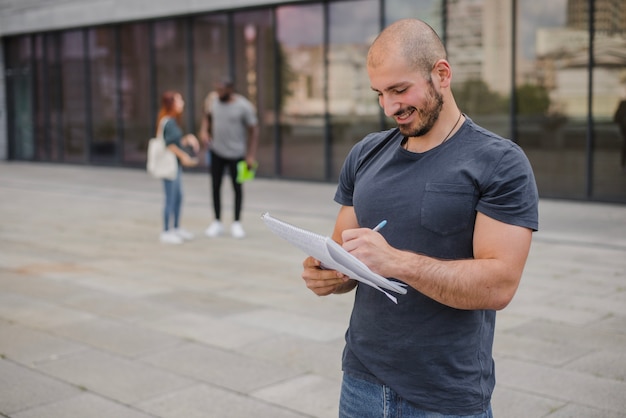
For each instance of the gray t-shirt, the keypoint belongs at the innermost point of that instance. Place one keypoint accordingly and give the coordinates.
(230, 126)
(436, 357)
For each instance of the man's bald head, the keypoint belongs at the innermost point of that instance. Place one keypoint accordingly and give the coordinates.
(410, 39)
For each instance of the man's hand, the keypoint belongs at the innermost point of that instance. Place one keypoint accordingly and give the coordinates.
(368, 246)
(250, 161)
(188, 161)
(324, 282)
(190, 140)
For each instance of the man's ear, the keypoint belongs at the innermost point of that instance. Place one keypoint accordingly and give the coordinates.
(442, 73)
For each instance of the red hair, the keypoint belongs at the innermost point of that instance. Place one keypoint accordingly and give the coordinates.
(167, 107)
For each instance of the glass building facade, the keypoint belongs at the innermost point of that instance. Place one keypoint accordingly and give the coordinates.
(549, 75)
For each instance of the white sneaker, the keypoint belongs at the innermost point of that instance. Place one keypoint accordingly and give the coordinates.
(184, 234)
(215, 229)
(170, 237)
(237, 230)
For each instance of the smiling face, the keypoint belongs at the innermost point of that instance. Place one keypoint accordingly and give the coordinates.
(408, 68)
(405, 95)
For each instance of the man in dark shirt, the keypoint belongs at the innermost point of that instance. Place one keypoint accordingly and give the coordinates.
(460, 204)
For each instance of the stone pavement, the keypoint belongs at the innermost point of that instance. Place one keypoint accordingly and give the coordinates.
(98, 319)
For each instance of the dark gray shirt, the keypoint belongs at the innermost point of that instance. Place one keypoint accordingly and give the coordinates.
(437, 357)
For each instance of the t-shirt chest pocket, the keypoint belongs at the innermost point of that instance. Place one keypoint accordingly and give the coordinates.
(448, 209)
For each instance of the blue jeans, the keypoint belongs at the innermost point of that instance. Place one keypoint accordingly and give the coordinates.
(364, 399)
(173, 200)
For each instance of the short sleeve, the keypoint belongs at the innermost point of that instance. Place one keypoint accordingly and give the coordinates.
(208, 102)
(171, 133)
(510, 194)
(250, 117)
(345, 188)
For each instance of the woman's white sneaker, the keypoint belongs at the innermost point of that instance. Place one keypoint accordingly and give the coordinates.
(170, 237)
(184, 234)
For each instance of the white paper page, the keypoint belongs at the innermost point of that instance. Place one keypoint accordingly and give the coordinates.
(331, 255)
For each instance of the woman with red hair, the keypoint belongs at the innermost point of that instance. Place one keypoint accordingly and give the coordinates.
(172, 105)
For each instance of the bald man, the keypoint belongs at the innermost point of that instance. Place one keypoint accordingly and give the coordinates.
(460, 204)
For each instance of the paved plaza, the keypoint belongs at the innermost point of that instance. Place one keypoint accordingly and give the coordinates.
(98, 319)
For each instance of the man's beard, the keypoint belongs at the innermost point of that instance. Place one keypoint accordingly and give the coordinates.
(427, 115)
(224, 97)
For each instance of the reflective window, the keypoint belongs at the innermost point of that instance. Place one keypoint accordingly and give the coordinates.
(92, 94)
(19, 96)
(300, 36)
(136, 107)
(41, 123)
(73, 104)
(609, 101)
(427, 10)
(255, 74)
(479, 44)
(53, 105)
(210, 51)
(551, 93)
(353, 106)
(103, 94)
(171, 62)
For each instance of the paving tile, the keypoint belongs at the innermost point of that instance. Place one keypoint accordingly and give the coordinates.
(591, 337)
(507, 319)
(204, 401)
(297, 353)
(580, 388)
(574, 410)
(309, 394)
(558, 313)
(22, 388)
(614, 303)
(29, 347)
(36, 313)
(128, 340)
(610, 364)
(128, 309)
(221, 368)
(537, 351)
(113, 377)
(291, 295)
(119, 285)
(615, 324)
(202, 302)
(215, 332)
(83, 405)
(29, 280)
(508, 403)
(292, 324)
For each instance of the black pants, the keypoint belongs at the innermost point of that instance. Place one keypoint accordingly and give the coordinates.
(218, 164)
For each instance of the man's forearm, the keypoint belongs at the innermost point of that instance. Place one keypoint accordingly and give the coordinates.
(253, 141)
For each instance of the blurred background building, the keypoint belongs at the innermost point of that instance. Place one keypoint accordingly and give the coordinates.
(80, 80)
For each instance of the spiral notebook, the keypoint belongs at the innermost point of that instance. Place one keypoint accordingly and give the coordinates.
(332, 255)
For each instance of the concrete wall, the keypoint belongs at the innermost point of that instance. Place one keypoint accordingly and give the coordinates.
(25, 16)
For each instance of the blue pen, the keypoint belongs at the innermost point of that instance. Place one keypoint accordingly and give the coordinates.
(380, 225)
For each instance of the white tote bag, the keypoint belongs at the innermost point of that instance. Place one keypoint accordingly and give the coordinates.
(162, 163)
